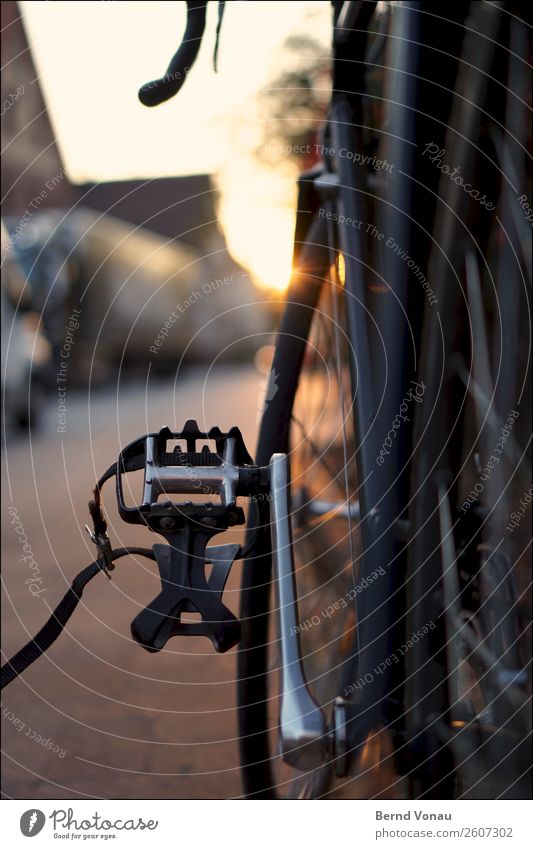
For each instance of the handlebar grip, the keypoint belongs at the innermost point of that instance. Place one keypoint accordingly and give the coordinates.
(157, 91)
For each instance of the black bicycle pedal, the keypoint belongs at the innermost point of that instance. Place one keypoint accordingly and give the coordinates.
(186, 589)
(202, 464)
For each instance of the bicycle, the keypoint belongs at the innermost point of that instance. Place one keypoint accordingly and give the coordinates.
(382, 504)
(396, 659)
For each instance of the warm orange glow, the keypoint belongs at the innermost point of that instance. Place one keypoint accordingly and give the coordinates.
(341, 268)
(260, 238)
(347, 634)
(271, 273)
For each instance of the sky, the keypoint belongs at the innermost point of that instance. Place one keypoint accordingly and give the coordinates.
(91, 58)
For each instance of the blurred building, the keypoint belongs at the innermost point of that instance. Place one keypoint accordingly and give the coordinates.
(134, 251)
(30, 157)
(175, 207)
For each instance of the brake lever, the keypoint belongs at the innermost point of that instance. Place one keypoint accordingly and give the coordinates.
(167, 86)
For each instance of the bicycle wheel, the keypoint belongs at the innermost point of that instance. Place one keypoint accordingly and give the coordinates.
(467, 687)
(309, 415)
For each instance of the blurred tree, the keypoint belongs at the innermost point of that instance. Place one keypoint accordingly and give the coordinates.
(294, 106)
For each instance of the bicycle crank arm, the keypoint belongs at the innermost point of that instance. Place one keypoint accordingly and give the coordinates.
(306, 739)
(303, 731)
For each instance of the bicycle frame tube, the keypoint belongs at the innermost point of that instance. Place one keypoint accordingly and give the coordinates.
(377, 526)
(382, 371)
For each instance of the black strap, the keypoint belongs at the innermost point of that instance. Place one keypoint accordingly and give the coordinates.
(59, 618)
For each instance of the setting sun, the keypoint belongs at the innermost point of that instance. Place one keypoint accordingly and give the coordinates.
(260, 239)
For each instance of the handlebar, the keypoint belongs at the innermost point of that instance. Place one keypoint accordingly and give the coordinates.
(160, 90)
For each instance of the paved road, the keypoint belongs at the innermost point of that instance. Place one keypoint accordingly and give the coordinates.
(98, 717)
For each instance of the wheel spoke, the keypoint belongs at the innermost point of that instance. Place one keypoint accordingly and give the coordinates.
(450, 583)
